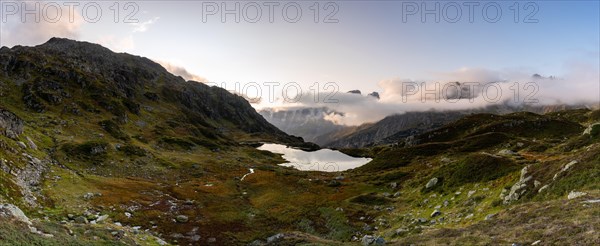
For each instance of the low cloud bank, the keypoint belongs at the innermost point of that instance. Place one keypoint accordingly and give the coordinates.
(465, 88)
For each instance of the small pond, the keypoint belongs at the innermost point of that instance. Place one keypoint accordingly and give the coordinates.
(324, 160)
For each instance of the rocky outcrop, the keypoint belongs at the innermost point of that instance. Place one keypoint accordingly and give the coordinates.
(14, 212)
(29, 179)
(519, 188)
(10, 124)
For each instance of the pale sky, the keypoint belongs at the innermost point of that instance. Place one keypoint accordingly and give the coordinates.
(369, 43)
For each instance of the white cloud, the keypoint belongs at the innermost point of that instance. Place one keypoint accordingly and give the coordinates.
(143, 27)
(30, 32)
(180, 71)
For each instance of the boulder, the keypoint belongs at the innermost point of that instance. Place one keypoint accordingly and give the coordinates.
(432, 182)
(436, 213)
(182, 219)
(372, 240)
(12, 211)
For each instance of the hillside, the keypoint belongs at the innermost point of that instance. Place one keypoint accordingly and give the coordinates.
(396, 127)
(491, 179)
(88, 133)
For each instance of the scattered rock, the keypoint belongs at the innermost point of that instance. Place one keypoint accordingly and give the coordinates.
(372, 240)
(22, 145)
(471, 192)
(401, 230)
(564, 169)
(592, 201)
(422, 220)
(507, 152)
(489, 216)
(90, 195)
(81, 220)
(102, 218)
(569, 165)
(160, 241)
(32, 145)
(275, 238)
(432, 182)
(436, 213)
(575, 194)
(182, 219)
(536, 242)
(543, 188)
(536, 183)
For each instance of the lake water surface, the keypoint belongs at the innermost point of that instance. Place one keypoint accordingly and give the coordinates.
(324, 160)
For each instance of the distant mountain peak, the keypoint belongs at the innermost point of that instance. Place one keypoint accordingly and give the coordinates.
(355, 92)
(374, 94)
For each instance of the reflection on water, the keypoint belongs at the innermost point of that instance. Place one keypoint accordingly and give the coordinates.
(325, 160)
